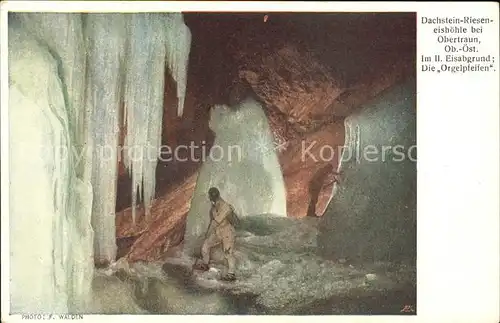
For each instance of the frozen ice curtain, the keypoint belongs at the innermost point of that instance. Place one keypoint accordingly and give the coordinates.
(72, 79)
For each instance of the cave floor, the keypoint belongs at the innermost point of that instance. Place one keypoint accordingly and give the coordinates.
(366, 299)
(279, 273)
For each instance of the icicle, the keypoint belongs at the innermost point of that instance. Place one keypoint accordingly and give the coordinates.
(144, 91)
(178, 48)
(106, 46)
(358, 141)
(153, 38)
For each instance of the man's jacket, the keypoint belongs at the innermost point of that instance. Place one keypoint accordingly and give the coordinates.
(222, 213)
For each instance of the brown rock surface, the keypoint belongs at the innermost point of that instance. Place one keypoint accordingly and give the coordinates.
(304, 158)
(166, 228)
(295, 84)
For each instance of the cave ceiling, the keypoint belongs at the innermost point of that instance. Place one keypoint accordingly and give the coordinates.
(308, 69)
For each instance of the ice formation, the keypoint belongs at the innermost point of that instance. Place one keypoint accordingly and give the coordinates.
(65, 110)
(62, 34)
(242, 164)
(106, 40)
(178, 37)
(144, 81)
(131, 49)
(51, 237)
(154, 40)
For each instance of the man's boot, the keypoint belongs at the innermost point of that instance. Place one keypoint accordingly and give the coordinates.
(229, 277)
(200, 266)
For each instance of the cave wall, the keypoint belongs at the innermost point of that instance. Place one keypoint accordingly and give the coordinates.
(373, 214)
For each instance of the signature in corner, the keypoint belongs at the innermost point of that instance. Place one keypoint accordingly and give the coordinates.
(408, 309)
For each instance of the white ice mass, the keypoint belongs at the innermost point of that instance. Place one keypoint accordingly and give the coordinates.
(51, 237)
(69, 77)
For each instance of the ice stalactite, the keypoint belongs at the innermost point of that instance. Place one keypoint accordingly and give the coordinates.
(350, 150)
(242, 164)
(144, 91)
(178, 48)
(50, 236)
(357, 142)
(106, 43)
(154, 40)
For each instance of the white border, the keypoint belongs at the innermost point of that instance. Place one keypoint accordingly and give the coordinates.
(458, 158)
(4, 147)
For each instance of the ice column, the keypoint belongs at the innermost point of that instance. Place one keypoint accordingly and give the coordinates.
(106, 39)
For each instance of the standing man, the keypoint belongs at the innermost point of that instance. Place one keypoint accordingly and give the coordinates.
(220, 231)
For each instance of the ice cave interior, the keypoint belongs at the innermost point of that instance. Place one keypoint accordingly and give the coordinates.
(306, 123)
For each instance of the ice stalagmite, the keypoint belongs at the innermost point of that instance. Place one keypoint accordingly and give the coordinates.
(242, 164)
(106, 39)
(178, 48)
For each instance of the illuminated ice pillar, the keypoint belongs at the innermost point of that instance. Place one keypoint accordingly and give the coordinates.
(243, 164)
